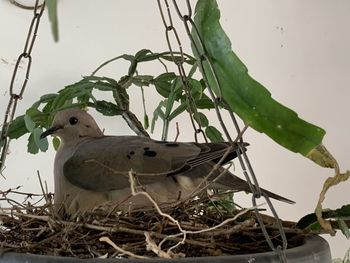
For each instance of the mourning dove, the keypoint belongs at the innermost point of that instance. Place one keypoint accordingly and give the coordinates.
(91, 169)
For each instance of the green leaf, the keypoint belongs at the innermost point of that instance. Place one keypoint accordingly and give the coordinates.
(30, 125)
(52, 11)
(40, 118)
(344, 228)
(204, 103)
(163, 83)
(17, 128)
(124, 56)
(103, 86)
(145, 116)
(224, 204)
(247, 97)
(36, 104)
(31, 146)
(132, 68)
(141, 54)
(69, 106)
(166, 55)
(64, 96)
(165, 77)
(213, 134)
(48, 97)
(56, 143)
(94, 79)
(201, 119)
(158, 113)
(196, 88)
(128, 57)
(193, 69)
(145, 55)
(145, 121)
(47, 108)
(180, 109)
(95, 82)
(163, 87)
(20, 126)
(33, 112)
(150, 57)
(310, 220)
(120, 95)
(107, 108)
(139, 57)
(42, 144)
(142, 80)
(80, 90)
(344, 211)
(175, 90)
(80, 85)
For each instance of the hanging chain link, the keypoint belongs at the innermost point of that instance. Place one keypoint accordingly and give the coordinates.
(27, 7)
(170, 29)
(245, 164)
(15, 96)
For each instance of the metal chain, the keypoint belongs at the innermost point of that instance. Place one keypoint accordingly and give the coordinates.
(243, 158)
(27, 7)
(170, 29)
(15, 96)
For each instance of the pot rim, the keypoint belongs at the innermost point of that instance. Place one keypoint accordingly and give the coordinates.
(314, 249)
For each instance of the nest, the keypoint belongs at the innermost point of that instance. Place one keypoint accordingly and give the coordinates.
(202, 227)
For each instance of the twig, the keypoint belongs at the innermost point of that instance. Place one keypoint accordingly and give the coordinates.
(223, 222)
(104, 228)
(330, 181)
(11, 191)
(152, 246)
(176, 222)
(45, 194)
(135, 193)
(110, 242)
(160, 212)
(177, 132)
(12, 202)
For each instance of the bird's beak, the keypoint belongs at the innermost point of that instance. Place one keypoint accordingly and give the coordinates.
(49, 131)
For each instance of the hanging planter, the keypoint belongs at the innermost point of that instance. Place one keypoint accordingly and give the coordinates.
(34, 236)
(232, 85)
(315, 249)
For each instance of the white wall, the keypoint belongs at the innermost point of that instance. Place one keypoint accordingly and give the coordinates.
(298, 49)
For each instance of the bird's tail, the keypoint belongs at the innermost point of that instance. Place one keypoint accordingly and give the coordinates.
(230, 181)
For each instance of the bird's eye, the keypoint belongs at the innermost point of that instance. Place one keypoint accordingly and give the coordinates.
(73, 120)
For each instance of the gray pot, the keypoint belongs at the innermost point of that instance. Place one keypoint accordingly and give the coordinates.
(315, 249)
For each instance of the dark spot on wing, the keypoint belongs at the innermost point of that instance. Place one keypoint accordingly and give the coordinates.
(149, 153)
(130, 154)
(146, 148)
(172, 144)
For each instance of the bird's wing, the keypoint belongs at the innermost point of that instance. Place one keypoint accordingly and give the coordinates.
(102, 164)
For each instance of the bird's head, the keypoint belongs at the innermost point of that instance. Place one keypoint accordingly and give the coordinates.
(71, 125)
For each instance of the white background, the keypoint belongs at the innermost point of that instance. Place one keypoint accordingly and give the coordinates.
(300, 50)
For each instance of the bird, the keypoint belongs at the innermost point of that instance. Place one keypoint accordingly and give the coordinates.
(91, 169)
